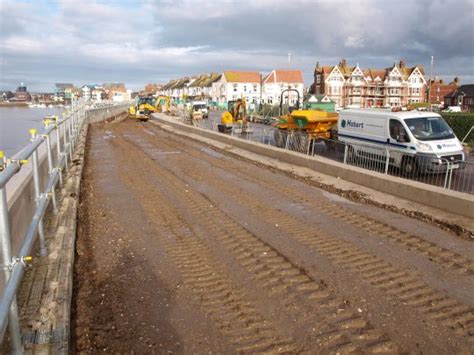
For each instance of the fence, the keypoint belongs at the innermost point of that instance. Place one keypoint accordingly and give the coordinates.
(449, 172)
(59, 139)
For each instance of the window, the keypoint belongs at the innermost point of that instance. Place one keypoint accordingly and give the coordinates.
(245, 88)
(318, 79)
(235, 87)
(255, 88)
(397, 132)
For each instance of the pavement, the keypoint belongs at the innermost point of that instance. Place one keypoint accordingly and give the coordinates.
(183, 247)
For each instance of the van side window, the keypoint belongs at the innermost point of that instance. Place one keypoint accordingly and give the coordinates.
(397, 131)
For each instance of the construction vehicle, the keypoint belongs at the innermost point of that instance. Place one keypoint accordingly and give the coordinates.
(143, 107)
(299, 129)
(163, 104)
(236, 114)
(146, 105)
(199, 109)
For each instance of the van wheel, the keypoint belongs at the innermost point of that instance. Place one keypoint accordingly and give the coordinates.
(409, 167)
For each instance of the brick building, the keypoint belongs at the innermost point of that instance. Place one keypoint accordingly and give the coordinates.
(437, 90)
(352, 86)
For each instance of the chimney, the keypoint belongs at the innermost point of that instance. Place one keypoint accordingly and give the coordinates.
(456, 80)
(317, 66)
(441, 81)
(402, 63)
(343, 62)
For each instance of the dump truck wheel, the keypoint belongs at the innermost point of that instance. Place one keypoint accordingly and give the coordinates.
(279, 138)
(299, 142)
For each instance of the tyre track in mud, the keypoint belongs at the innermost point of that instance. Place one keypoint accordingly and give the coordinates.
(399, 284)
(435, 253)
(262, 297)
(304, 298)
(234, 314)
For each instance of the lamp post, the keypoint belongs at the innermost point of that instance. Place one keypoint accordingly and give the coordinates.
(431, 81)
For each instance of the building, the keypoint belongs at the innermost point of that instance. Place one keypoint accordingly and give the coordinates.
(437, 90)
(233, 85)
(6, 95)
(93, 92)
(279, 80)
(352, 86)
(320, 102)
(116, 92)
(462, 96)
(21, 94)
(201, 87)
(63, 91)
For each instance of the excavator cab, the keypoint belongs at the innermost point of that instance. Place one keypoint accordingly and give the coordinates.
(143, 108)
(236, 114)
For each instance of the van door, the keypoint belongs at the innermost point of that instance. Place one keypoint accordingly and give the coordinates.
(397, 142)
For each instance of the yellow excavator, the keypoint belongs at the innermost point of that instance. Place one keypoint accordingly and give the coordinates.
(142, 109)
(299, 129)
(236, 114)
(144, 106)
(163, 104)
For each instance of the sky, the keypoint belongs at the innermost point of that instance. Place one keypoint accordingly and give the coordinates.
(139, 42)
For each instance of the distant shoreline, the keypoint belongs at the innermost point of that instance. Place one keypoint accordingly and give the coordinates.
(14, 104)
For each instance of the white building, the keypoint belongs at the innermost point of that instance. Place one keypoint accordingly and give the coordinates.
(279, 80)
(234, 85)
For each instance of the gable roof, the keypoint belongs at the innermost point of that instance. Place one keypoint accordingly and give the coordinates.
(284, 76)
(467, 90)
(242, 77)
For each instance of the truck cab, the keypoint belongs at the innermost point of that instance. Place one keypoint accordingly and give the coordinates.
(200, 107)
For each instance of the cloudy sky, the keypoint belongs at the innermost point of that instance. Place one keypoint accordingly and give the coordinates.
(136, 42)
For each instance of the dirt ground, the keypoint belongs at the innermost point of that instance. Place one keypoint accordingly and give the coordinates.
(184, 249)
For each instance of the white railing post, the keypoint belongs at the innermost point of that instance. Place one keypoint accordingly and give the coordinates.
(5, 240)
(36, 180)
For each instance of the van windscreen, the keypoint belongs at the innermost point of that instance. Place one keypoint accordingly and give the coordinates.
(429, 128)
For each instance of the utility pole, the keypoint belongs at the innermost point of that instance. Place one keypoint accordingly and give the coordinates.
(289, 60)
(431, 80)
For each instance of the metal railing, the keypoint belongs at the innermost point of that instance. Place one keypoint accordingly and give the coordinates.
(64, 133)
(449, 173)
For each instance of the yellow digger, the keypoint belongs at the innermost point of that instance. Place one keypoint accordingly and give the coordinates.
(236, 114)
(142, 109)
(299, 129)
(163, 104)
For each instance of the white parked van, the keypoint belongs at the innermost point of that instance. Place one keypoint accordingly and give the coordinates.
(200, 107)
(417, 142)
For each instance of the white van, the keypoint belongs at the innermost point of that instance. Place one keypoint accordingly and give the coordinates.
(417, 142)
(200, 107)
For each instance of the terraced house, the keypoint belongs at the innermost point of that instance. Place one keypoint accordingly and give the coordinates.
(351, 86)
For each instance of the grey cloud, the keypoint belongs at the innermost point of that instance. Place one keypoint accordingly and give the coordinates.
(156, 41)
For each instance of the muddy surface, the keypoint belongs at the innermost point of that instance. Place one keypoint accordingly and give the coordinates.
(186, 249)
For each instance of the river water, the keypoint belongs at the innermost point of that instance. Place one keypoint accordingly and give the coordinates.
(15, 123)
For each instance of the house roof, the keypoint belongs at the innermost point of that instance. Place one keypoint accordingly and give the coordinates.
(347, 70)
(467, 90)
(242, 77)
(284, 76)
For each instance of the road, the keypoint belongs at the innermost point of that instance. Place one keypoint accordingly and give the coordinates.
(187, 249)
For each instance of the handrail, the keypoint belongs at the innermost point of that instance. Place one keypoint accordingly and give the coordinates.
(67, 132)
